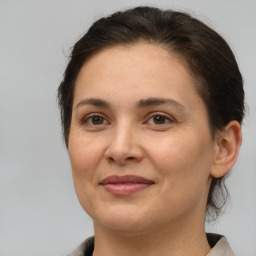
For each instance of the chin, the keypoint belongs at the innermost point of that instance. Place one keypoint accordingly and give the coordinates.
(126, 219)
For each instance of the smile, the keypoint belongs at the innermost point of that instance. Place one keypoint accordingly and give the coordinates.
(125, 185)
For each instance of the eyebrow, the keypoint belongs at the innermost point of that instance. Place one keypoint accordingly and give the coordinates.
(94, 102)
(158, 101)
(140, 104)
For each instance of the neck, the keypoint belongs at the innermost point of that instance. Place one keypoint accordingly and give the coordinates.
(178, 239)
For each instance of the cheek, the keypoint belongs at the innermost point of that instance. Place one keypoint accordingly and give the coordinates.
(85, 156)
(184, 171)
(181, 159)
(84, 153)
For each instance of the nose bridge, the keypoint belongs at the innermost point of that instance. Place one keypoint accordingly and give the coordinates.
(124, 143)
(123, 137)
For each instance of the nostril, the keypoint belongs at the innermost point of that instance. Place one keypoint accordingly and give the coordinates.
(123, 155)
(130, 158)
(111, 159)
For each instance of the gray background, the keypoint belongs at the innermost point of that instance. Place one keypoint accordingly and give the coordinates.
(39, 212)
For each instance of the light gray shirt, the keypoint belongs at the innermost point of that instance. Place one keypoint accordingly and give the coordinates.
(218, 243)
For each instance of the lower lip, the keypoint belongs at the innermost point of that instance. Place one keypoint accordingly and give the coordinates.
(125, 189)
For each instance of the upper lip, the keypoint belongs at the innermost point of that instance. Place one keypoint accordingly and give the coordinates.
(115, 179)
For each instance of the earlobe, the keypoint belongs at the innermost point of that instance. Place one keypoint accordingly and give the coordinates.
(228, 143)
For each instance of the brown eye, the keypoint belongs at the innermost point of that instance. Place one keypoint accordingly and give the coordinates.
(95, 120)
(159, 119)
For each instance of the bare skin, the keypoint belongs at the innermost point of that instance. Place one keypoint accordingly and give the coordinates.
(143, 118)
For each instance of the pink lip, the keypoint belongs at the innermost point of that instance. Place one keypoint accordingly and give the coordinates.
(125, 185)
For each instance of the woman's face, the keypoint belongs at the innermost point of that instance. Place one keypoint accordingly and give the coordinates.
(140, 144)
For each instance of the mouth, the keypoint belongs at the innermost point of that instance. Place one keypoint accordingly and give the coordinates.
(125, 185)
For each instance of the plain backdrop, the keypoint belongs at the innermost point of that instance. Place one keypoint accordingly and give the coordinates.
(39, 212)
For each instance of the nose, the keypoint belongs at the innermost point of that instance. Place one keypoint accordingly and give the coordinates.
(124, 145)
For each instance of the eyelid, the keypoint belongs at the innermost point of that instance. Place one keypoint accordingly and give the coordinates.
(93, 114)
(167, 116)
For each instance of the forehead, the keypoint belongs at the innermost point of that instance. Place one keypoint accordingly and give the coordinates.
(141, 67)
(153, 56)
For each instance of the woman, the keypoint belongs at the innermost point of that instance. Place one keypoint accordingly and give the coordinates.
(151, 103)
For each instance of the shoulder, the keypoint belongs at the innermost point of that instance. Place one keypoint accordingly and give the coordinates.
(85, 248)
(219, 245)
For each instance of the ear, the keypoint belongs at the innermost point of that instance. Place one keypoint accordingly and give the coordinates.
(228, 143)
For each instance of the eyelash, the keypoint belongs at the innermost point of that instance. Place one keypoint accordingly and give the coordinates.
(91, 116)
(166, 117)
(89, 119)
